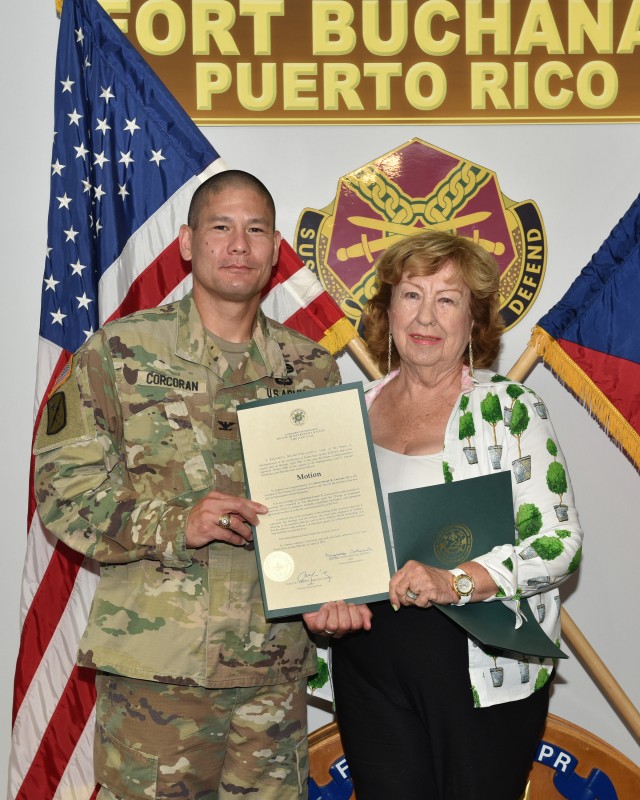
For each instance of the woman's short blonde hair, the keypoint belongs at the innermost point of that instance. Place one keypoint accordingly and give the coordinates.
(425, 254)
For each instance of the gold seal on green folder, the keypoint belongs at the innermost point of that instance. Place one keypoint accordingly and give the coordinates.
(449, 523)
(452, 544)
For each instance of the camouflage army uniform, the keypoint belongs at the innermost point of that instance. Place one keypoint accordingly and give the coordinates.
(142, 429)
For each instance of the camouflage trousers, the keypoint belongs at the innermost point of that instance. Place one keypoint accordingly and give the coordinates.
(156, 740)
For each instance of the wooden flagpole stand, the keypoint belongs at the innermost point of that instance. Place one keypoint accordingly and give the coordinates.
(361, 355)
(572, 634)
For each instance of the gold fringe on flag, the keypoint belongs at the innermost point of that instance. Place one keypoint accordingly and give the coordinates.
(614, 424)
(59, 7)
(338, 336)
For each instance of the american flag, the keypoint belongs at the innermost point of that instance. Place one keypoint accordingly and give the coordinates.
(126, 160)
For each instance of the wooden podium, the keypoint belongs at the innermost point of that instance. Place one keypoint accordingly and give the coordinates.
(584, 766)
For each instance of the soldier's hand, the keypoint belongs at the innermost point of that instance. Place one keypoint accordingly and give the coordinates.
(208, 520)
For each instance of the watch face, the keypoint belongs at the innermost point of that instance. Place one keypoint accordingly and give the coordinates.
(463, 585)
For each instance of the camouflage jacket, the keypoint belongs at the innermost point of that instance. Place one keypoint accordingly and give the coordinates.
(141, 429)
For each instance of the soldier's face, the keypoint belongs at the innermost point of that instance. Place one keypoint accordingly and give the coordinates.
(233, 246)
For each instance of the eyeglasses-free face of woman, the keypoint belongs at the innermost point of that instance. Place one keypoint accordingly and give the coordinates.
(430, 319)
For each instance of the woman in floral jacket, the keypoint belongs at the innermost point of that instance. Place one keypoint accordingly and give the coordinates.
(424, 710)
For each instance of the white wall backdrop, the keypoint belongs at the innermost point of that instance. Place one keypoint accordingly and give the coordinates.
(583, 178)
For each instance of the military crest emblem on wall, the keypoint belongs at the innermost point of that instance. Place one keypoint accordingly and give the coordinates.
(414, 187)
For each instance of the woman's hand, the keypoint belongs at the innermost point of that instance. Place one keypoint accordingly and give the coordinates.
(337, 618)
(433, 585)
(428, 584)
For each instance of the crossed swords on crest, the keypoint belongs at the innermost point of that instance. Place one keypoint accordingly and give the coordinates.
(366, 247)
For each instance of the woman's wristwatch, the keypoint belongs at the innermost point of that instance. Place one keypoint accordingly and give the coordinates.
(463, 586)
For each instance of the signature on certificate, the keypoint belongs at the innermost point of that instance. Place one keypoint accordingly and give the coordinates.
(348, 555)
(315, 577)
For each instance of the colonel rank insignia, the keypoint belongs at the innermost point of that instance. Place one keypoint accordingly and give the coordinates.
(415, 187)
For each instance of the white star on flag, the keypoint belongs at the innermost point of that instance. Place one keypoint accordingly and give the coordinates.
(106, 95)
(58, 317)
(83, 302)
(76, 269)
(157, 157)
(131, 126)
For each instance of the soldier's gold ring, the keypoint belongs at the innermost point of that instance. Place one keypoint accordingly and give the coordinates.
(225, 521)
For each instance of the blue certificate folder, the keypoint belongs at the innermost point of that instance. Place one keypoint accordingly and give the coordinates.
(448, 524)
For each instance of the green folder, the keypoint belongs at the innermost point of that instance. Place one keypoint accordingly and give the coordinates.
(448, 524)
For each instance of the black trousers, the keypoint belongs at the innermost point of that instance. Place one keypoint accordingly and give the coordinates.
(407, 720)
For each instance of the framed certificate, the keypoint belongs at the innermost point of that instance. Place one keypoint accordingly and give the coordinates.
(309, 458)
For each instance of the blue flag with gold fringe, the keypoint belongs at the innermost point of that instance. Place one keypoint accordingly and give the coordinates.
(591, 337)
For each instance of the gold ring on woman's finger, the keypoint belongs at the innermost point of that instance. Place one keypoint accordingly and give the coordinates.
(411, 595)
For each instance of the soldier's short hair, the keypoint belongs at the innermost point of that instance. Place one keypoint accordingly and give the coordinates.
(230, 178)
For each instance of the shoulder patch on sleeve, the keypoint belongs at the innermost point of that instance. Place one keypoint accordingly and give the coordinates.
(63, 376)
(56, 413)
(63, 418)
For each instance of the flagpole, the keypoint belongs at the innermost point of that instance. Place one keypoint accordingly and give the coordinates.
(571, 632)
(360, 353)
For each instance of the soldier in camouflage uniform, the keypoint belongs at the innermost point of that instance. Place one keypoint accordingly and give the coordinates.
(139, 466)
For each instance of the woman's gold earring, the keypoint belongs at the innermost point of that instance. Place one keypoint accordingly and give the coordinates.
(389, 353)
(470, 358)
